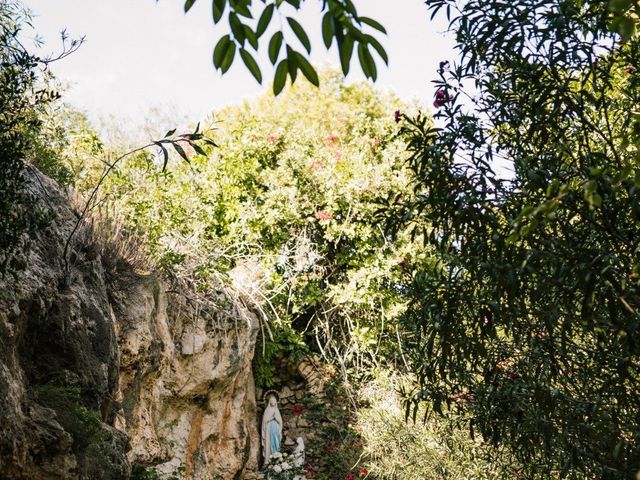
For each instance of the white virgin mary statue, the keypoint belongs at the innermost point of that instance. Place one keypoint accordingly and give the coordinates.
(271, 429)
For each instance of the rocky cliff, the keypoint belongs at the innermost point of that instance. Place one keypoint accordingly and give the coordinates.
(106, 373)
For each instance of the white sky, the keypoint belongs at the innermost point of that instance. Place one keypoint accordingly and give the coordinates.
(141, 54)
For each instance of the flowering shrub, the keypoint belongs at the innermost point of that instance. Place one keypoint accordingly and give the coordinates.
(281, 466)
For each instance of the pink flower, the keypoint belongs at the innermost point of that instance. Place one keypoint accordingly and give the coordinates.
(187, 148)
(272, 138)
(377, 141)
(297, 409)
(323, 215)
(399, 260)
(308, 468)
(331, 139)
(442, 98)
(316, 165)
(397, 115)
(462, 397)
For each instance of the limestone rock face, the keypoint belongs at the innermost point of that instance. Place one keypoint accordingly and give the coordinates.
(58, 360)
(186, 385)
(102, 370)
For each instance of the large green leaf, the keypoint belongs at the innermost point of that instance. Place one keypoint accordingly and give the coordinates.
(218, 9)
(307, 70)
(292, 64)
(372, 23)
(280, 77)
(328, 30)
(265, 19)
(366, 62)
(378, 48)
(237, 28)
(274, 47)
(228, 57)
(300, 33)
(251, 64)
(188, 4)
(220, 51)
(345, 49)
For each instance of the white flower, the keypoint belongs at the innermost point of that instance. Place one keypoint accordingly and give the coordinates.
(286, 466)
(276, 455)
(277, 468)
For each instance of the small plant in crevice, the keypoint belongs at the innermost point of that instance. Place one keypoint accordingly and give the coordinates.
(92, 442)
(140, 472)
(144, 473)
(284, 341)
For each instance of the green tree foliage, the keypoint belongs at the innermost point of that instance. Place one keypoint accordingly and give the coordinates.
(528, 191)
(289, 197)
(249, 21)
(22, 98)
(432, 450)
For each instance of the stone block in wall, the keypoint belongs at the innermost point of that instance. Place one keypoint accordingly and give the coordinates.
(286, 393)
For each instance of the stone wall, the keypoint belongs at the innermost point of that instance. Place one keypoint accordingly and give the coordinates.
(301, 388)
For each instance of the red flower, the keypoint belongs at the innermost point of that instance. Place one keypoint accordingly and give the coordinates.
(327, 448)
(308, 468)
(363, 472)
(297, 409)
(350, 476)
(323, 215)
(397, 115)
(331, 139)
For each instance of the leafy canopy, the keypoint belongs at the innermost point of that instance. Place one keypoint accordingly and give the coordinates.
(289, 197)
(528, 190)
(249, 21)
